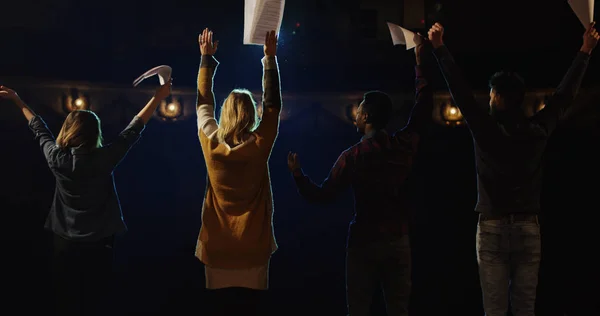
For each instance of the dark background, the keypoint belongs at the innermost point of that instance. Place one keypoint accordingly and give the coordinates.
(162, 181)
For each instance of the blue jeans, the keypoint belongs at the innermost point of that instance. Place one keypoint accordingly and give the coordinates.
(508, 254)
(386, 264)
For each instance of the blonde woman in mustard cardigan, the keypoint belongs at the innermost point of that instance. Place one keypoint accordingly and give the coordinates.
(236, 240)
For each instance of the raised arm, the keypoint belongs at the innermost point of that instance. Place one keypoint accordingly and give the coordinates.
(10, 94)
(271, 98)
(482, 126)
(205, 103)
(558, 104)
(117, 150)
(421, 113)
(36, 124)
(338, 179)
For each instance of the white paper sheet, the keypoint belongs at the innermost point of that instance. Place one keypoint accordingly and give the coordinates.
(402, 36)
(249, 6)
(584, 9)
(163, 72)
(260, 17)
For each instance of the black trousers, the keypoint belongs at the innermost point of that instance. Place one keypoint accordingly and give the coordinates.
(237, 301)
(82, 275)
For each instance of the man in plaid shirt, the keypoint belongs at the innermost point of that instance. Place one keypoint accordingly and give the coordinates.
(377, 169)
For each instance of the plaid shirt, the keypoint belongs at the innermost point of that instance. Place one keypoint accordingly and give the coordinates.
(377, 169)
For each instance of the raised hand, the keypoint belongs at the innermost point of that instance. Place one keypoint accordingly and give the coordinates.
(207, 47)
(8, 93)
(164, 91)
(590, 39)
(293, 161)
(436, 34)
(271, 44)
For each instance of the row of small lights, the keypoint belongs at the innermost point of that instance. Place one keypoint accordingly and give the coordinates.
(173, 109)
(167, 110)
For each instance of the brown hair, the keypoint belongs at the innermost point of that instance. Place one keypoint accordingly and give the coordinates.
(238, 117)
(80, 129)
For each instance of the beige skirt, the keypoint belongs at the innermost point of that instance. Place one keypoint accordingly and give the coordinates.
(256, 278)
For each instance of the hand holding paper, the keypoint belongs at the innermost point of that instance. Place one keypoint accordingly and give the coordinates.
(163, 72)
(590, 39)
(402, 36)
(164, 90)
(584, 9)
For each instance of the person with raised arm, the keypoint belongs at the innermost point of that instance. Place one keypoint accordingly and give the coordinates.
(508, 155)
(85, 214)
(377, 169)
(236, 239)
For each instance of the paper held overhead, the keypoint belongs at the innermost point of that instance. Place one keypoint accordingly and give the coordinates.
(260, 17)
(584, 10)
(402, 36)
(163, 72)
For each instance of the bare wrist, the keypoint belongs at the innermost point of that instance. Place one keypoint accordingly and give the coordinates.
(586, 50)
(19, 102)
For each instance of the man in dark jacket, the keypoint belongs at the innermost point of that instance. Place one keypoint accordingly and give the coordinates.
(508, 154)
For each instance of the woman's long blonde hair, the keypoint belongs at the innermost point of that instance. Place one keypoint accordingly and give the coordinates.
(80, 129)
(238, 117)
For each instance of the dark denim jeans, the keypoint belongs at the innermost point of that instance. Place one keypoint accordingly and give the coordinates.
(508, 254)
(386, 264)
